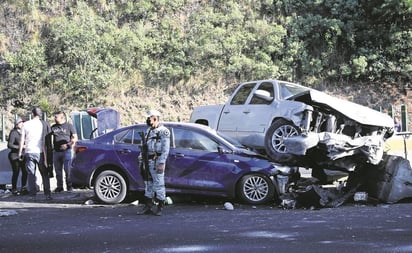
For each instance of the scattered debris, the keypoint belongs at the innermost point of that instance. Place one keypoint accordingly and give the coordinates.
(229, 206)
(135, 203)
(89, 202)
(316, 196)
(387, 182)
(288, 201)
(360, 197)
(390, 181)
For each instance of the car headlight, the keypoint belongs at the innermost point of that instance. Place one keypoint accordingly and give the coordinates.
(283, 170)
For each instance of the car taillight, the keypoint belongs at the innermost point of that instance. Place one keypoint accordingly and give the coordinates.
(79, 149)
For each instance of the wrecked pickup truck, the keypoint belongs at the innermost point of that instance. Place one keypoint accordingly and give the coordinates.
(299, 126)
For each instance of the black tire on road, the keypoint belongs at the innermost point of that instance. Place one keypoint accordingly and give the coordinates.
(274, 145)
(255, 189)
(110, 187)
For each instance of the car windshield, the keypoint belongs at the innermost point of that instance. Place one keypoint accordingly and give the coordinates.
(290, 89)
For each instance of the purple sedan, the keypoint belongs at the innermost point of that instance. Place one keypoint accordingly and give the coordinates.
(200, 162)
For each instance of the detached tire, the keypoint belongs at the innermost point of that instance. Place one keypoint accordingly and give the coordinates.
(255, 189)
(274, 141)
(110, 187)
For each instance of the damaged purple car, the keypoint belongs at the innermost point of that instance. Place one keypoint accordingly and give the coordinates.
(200, 162)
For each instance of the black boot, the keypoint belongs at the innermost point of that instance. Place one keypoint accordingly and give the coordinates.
(147, 209)
(159, 207)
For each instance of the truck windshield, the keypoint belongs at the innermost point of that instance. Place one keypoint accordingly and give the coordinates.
(290, 89)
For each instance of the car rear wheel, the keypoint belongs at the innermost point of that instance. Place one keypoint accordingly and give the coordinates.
(110, 187)
(274, 141)
(255, 189)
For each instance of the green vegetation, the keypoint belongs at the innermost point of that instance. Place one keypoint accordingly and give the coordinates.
(94, 52)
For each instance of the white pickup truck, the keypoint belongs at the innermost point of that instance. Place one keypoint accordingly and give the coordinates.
(296, 125)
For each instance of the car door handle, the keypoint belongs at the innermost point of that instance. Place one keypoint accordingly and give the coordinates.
(246, 112)
(125, 151)
(179, 155)
(226, 112)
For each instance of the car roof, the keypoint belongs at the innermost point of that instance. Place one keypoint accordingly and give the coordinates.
(178, 124)
(225, 140)
(166, 124)
(186, 125)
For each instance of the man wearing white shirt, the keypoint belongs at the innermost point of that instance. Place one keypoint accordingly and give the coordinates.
(32, 139)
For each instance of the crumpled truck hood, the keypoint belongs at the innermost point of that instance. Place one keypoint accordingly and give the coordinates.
(356, 112)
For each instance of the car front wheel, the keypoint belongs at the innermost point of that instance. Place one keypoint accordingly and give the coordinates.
(274, 141)
(110, 187)
(255, 189)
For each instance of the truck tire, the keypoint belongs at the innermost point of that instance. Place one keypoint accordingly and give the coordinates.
(274, 145)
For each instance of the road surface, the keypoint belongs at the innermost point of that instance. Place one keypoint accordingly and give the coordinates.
(66, 224)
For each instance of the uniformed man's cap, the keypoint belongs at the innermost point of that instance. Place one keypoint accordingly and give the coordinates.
(152, 113)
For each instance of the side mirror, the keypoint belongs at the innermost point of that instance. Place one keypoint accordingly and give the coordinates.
(222, 151)
(263, 94)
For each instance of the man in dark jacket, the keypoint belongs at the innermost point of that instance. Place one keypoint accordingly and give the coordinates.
(16, 163)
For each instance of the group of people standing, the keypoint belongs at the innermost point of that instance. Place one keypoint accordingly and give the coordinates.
(35, 145)
(30, 141)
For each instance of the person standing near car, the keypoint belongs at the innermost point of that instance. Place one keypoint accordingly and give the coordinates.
(64, 138)
(158, 146)
(32, 140)
(16, 163)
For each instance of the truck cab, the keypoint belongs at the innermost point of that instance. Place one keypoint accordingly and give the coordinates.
(251, 109)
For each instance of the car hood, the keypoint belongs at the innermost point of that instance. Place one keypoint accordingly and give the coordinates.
(250, 153)
(356, 112)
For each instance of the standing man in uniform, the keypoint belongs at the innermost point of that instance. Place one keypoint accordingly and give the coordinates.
(158, 145)
(33, 135)
(64, 138)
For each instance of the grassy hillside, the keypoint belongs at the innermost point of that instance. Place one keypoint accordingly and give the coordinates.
(174, 55)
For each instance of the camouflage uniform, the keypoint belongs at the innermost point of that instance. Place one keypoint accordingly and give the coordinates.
(158, 143)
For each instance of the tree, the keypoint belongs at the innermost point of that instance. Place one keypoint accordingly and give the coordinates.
(26, 73)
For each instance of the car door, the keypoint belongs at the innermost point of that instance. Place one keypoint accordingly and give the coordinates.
(194, 164)
(126, 144)
(257, 112)
(235, 110)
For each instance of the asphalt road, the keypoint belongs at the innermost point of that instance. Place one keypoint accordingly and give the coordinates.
(66, 224)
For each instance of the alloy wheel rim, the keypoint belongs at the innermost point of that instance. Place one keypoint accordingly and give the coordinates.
(256, 188)
(280, 135)
(110, 187)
